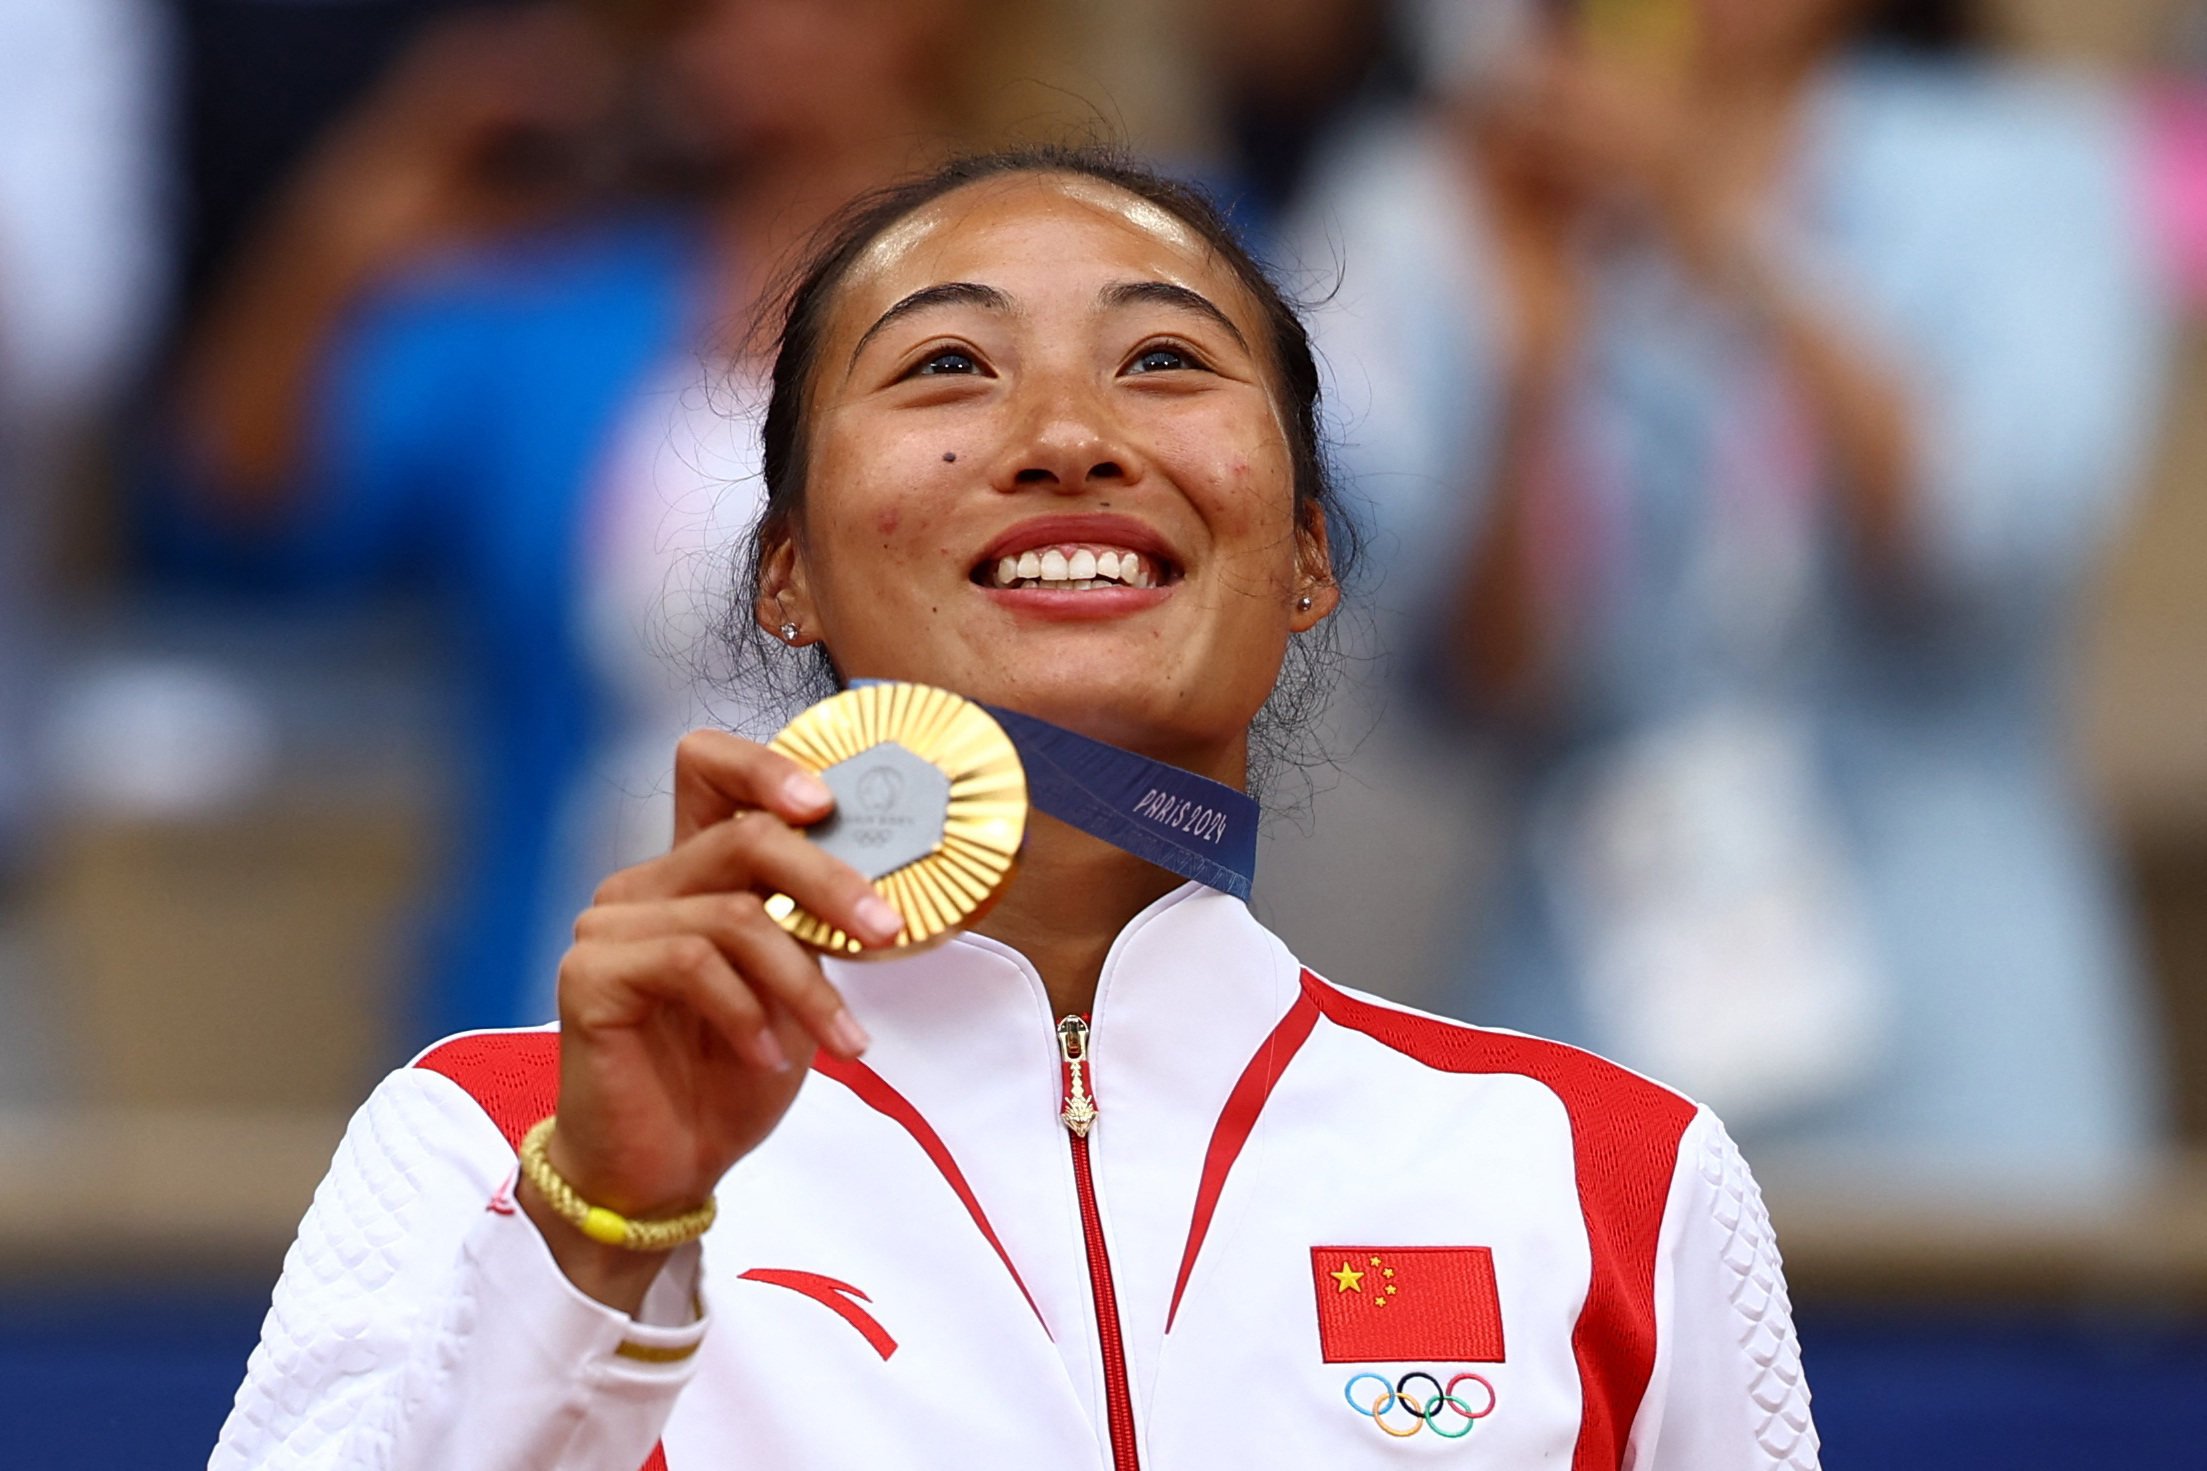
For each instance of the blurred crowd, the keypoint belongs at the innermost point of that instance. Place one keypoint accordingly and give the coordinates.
(1740, 399)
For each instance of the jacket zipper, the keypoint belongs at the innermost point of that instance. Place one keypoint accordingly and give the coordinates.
(1078, 1113)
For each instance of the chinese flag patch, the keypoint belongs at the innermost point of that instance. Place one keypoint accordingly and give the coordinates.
(1396, 1303)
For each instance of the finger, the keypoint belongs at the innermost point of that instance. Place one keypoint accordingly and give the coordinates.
(785, 974)
(603, 980)
(717, 775)
(782, 973)
(754, 852)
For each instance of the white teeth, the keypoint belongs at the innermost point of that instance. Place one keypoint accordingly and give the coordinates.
(1078, 570)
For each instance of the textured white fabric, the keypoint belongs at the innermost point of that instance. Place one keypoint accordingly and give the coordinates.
(416, 1331)
(416, 1327)
(1729, 1391)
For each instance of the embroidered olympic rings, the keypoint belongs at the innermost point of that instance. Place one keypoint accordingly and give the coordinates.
(1424, 1412)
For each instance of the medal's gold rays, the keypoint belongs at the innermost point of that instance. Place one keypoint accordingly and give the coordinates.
(971, 867)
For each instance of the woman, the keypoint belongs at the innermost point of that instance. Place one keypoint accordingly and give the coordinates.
(1753, 533)
(1301, 1221)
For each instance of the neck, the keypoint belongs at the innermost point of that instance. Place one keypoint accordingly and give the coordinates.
(1072, 896)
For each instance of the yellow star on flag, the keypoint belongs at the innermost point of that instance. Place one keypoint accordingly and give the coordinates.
(1350, 1278)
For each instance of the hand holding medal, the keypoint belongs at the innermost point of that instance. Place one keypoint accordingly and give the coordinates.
(880, 821)
(686, 1010)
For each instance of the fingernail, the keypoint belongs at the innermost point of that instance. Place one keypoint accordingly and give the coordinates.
(878, 918)
(805, 791)
(849, 1036)
(769, 1050)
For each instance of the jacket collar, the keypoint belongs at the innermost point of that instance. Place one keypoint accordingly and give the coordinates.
(1188, 990)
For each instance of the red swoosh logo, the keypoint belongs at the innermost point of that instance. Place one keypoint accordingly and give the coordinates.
(833, 1295)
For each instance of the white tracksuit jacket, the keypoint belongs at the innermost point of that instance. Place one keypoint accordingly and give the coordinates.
(922, 1267)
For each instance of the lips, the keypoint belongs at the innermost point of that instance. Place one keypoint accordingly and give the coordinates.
(1076, 554)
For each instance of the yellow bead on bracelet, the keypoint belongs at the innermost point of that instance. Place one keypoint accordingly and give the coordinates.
(609, 1228)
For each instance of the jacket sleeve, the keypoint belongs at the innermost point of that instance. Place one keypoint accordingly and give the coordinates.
(421, 1324)
(1727, 1392)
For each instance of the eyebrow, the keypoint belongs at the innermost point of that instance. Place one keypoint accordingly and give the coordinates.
(1165, 293)
(943, 293)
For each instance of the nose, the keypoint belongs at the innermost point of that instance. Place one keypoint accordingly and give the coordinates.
(1066, 440)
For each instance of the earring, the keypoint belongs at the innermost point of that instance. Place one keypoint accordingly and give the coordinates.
(1303, 603)
(789, 633)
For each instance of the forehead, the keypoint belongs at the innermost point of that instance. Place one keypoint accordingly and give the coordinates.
(1034, 234)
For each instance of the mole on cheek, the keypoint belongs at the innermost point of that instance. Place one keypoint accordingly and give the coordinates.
(950, 456)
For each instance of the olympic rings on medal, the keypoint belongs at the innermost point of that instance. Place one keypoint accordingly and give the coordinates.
(1426, 1411)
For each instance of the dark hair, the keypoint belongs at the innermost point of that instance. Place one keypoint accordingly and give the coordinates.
(797, 317)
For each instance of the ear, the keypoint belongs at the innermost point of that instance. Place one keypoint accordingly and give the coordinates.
(784, 590)
(1313, 570)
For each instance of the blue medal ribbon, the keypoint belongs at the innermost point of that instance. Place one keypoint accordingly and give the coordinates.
(1186, 824)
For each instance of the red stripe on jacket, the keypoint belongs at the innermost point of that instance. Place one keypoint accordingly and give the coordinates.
(515, 1077)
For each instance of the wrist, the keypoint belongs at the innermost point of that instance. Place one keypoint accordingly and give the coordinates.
(607, 1274)
(560, 1154)
(649, 1230)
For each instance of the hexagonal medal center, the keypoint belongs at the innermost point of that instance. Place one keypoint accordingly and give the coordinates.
(889, 809)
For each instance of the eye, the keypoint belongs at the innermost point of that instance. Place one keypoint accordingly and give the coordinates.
(946, 362)
(1164, 357)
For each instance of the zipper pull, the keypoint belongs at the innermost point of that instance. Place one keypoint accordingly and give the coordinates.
(1080, 1110)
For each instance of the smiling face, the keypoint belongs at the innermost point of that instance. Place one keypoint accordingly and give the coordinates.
(1048, 469)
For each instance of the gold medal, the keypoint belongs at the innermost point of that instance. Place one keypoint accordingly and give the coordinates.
(930, 804)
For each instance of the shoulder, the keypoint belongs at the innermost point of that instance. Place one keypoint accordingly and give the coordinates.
(1629, 1137)
(511, 1074)
(1595, 1091)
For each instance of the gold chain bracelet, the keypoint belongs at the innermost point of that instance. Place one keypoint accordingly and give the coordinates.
(596, 1222)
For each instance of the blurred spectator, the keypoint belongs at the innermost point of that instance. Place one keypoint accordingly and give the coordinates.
(83, 111)
(477, 342)
(1745, 388)
(258, 83)
(1281, 72)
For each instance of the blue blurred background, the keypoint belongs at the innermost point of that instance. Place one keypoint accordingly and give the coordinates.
(1780, 659)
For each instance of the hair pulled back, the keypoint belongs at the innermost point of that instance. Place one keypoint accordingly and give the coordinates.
(797, 318)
